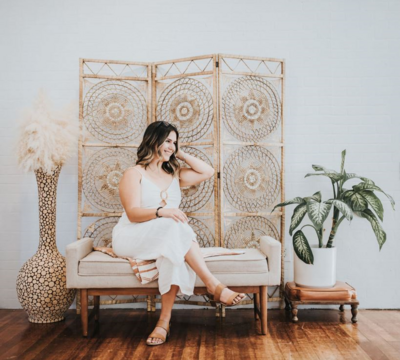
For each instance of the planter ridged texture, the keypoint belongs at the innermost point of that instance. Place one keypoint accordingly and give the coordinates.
(322, 274)
(41, 282)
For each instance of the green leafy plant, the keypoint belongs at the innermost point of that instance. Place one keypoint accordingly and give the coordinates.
(360, 201)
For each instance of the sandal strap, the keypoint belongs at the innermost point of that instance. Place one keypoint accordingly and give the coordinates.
(163, 324)
(218, 291)
(231, 298)
(156, 336)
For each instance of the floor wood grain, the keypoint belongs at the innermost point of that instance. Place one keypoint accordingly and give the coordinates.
(198, 334)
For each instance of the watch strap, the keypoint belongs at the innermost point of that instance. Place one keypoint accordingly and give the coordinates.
(159, 216)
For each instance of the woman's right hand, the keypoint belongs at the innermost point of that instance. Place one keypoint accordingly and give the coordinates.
(175, 214)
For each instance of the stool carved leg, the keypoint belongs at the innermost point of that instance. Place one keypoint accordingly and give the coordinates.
(294, 313)
(341, 308)
(354, 312)
(84, 311)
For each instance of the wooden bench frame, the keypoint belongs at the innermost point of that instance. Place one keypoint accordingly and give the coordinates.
(260, 301)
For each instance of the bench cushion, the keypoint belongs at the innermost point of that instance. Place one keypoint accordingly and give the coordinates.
(246, 269)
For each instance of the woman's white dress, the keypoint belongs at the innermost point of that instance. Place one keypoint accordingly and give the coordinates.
(162, 239)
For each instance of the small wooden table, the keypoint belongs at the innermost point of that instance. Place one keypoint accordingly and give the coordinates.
(341, 294)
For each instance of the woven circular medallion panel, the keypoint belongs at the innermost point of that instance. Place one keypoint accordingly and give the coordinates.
(204, 236)
(195, 197)
(187, 104)
(115, 111)
(102, 174)
(101, 231)
(251, 108)
(251, 178)
(246, 232)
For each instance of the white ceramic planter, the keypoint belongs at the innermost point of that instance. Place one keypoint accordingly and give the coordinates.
(322, 274)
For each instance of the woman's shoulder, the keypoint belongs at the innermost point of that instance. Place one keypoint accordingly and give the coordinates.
(133, 171)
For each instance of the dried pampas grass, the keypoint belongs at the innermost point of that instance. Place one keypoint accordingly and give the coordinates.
(47, 137)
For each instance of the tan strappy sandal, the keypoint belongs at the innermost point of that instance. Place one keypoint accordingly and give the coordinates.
(164, 325)
(217, 296)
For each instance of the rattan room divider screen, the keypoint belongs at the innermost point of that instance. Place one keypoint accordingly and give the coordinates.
(229, 112)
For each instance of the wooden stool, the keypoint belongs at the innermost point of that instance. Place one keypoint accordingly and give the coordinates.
(341, 294)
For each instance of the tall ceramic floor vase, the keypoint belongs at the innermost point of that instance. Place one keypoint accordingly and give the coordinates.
(41, 282)
(321, 274)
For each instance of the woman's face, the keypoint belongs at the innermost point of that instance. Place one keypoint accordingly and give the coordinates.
(169, 146)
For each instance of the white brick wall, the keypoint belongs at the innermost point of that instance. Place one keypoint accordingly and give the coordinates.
(342, 91)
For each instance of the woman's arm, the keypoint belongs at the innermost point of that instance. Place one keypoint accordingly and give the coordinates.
(199, 170)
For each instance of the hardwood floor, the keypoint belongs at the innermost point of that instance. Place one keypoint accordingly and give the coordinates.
(198, 334)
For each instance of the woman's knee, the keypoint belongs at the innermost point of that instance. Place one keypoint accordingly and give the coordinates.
(193, 246)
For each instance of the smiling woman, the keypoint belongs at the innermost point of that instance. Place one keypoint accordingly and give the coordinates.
(153, 227)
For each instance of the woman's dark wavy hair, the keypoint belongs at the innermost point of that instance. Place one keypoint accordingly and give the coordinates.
(153, 138)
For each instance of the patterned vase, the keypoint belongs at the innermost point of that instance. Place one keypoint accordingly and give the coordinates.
(41, 282)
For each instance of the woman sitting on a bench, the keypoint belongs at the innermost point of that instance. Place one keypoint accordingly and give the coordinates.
(153, 226)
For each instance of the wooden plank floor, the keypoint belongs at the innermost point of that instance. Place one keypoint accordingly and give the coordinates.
(198, 334)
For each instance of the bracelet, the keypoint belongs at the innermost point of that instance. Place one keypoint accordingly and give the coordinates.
(159, 216)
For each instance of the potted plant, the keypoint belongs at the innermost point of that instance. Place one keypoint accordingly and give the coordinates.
(47, 138)
(315, 266)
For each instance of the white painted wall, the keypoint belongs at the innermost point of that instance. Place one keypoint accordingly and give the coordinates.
(342, 93)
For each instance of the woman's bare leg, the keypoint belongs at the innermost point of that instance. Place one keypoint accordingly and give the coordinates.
(195, 259)
(167, 302)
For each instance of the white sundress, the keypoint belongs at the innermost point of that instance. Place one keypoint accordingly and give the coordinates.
(162, 239)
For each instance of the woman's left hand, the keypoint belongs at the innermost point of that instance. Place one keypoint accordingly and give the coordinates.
(180, 154)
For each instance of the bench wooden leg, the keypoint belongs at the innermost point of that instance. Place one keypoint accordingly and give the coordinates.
(96, 303)
(84, 311)
(256, 301)
(264, 308)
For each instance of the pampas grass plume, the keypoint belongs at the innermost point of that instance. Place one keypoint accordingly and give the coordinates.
(47, 137)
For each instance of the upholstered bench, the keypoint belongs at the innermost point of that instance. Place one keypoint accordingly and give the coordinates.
(95, 273)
